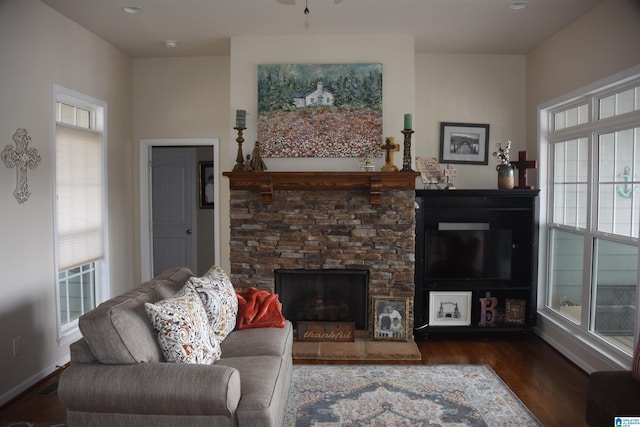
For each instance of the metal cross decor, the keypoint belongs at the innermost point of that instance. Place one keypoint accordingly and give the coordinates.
(22, 158)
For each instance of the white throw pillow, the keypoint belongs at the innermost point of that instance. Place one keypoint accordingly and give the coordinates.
(183, 329)
(219, 299)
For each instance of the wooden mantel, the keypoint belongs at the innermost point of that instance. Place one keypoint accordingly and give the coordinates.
(373, 182)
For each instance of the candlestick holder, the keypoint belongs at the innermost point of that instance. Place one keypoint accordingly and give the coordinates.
(239, 167)
(406, 158)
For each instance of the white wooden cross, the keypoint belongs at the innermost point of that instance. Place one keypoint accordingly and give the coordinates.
(21, 157)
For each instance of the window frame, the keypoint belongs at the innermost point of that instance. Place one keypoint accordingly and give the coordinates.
(69, 332)
(583, 331)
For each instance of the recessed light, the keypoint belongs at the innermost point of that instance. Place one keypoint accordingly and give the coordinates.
(132, 9)
(170, 44)
(518, 5)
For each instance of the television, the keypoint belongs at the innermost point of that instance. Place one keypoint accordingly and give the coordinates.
(468, 254)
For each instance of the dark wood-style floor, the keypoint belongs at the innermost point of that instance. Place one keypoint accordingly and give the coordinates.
(551, 387)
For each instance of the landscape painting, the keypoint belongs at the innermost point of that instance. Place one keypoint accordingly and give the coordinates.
(320, 110)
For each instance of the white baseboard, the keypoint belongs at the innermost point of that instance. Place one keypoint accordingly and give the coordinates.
(32, 380)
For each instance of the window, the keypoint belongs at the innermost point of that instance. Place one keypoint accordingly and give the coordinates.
(593, 215)
(79, 188)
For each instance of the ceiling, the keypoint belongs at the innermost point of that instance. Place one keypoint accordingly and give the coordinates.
(204, 27)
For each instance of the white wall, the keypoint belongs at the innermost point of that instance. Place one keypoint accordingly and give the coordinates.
(179, 98)
(40, 47)
(488, 89)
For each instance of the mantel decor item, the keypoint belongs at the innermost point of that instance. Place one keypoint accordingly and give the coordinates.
(430, 172)
(390, 316)
(389, 148)
(505, 168)
(22, 158)
(241, 123)
(406, 158)
(464, 143)
(523, 165)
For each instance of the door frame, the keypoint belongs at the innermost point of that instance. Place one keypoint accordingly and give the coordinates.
(146, 220)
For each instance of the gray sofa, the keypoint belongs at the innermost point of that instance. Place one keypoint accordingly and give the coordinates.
(118, 376)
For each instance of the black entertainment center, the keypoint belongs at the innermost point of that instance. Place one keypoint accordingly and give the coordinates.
(476, 261)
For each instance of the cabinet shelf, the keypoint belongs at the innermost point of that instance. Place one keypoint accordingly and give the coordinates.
(513, 210)
(474, 286)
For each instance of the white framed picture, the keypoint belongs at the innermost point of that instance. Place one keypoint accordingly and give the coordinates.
(449, 308)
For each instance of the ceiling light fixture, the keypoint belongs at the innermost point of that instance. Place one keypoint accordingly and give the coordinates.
(306, 7)
(170, 44)
(518, 5)
(132, 9)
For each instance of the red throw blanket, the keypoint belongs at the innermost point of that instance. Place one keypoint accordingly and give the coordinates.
(258, 309)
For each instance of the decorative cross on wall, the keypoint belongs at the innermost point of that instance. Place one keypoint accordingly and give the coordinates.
(523, 165)
(22, 158)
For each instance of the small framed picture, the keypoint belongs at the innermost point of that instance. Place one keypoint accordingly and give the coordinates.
(515, 311)
(464, 143)
(390, 318)
(207, 187)
(449, 308)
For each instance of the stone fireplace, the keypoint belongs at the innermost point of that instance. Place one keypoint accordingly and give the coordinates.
(324, 220)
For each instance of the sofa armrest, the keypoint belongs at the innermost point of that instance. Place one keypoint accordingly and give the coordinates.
(151, 388)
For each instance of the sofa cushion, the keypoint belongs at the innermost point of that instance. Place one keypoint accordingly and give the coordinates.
(118, 331)
(264, 342)
(182, 328)
(219, 299)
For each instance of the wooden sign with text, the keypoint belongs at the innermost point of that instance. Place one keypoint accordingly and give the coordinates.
(326, 331)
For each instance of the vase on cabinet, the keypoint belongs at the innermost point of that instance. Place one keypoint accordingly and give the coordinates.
(505, 176)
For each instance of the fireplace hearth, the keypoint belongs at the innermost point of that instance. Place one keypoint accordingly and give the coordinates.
(325, 295)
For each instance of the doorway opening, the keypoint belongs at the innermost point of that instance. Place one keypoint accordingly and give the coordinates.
(206, 236)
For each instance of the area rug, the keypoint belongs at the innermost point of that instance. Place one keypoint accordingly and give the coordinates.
(402, 395)
(360, 349)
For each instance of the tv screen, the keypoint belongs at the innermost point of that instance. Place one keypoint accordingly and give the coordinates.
(468, 254)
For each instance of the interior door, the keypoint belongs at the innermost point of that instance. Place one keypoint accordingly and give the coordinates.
(173, 177)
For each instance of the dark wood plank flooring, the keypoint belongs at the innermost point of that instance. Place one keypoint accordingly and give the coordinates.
(551, 387)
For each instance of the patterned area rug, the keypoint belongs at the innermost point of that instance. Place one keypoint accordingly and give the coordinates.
(402, 395)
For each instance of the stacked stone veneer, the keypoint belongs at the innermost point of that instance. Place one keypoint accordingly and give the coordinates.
(325, 230)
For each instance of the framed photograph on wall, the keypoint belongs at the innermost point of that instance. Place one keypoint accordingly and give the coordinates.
(390, 318)
(449, 308)
(464, 143)
(206, 180)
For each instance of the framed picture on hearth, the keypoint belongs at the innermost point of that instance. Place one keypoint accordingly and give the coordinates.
(390, 318)
(449, 308)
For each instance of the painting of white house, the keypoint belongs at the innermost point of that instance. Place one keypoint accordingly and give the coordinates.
(320, 110)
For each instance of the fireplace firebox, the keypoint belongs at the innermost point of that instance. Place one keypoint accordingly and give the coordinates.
(324, 295)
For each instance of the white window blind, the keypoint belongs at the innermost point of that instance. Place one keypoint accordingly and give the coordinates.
(78, 197)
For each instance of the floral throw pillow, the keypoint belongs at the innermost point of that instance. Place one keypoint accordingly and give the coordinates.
(219, 299)
(183, 330)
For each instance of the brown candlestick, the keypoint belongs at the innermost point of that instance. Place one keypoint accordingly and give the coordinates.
(239, 167)
(406, 159)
